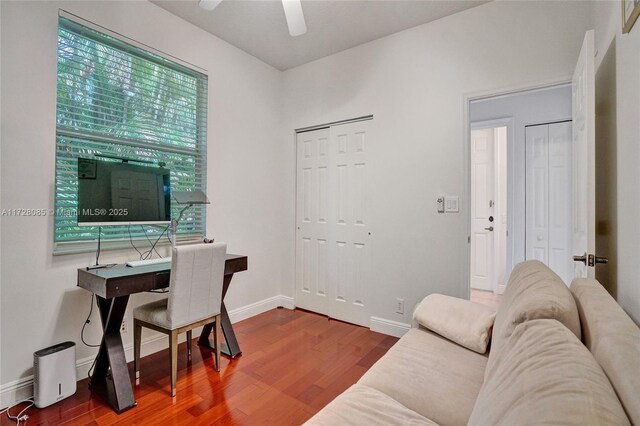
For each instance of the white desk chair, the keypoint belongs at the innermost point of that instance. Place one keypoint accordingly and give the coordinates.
(195, 299)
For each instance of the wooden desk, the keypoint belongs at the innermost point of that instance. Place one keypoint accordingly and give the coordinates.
(112, 287)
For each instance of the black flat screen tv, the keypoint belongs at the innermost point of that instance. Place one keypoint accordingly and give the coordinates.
(122, 193)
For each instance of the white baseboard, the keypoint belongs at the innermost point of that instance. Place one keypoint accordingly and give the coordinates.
(16, 391)
(259, 307)
(392, 328)
(20, 389)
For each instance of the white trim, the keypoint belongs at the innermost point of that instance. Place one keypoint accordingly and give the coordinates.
(16, 391)
(259, 307)
(389, 327)
(23, 388)
(511, 90)
(20, 389)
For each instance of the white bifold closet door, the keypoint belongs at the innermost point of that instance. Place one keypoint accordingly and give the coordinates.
(549, 198)
(333, 242)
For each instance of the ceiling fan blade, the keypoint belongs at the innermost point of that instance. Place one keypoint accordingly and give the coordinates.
(209, 4)
(295, 18)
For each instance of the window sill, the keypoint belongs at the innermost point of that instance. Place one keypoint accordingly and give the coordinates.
(77, 247)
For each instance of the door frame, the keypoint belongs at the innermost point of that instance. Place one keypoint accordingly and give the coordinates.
(492, 124)
(467, 98)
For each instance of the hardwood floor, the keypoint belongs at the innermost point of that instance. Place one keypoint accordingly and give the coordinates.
(486, 298)
(293, 364)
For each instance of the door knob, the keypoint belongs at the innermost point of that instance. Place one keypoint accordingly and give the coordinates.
(582, 258)
(489, 228)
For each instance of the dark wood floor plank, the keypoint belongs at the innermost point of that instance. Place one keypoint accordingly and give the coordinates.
(293, 363)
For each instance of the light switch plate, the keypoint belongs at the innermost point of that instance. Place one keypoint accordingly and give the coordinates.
(451, 204)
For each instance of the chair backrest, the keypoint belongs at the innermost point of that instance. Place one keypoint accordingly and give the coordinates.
(197, 274)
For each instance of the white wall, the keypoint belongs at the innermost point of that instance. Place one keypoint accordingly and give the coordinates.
(41, 304)
(414, 83)
(532, 107)
(618, 155)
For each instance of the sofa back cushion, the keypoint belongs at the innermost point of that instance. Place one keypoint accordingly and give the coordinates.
(613, 339)
(533, 292)
(545, 375)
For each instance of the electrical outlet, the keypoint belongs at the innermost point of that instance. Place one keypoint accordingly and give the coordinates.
(399, 306)
(123, 326)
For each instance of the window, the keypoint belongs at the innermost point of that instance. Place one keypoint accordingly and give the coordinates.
(116, 99)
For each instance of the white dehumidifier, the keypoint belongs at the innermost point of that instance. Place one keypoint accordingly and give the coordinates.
(54, 373)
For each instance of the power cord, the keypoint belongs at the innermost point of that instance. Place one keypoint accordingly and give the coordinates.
(21, 417)
(153, 246)
(148, 253)
(87, 321)
(131, 241)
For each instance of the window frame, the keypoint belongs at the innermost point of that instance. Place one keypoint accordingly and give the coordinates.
(118, 237)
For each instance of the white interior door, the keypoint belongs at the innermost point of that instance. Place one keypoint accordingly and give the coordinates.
(548, 197)
(312, 221)
(537, 193)
(482, 206)
(583, 173)
(350, 238)
(560, 209)
(333, 243)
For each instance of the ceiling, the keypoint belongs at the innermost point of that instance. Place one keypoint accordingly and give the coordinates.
(259, 27)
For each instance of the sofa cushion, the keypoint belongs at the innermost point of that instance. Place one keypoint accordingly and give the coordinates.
(545, 375)
(430, 375)
(613, 339)
(533, 292)
(362, 405)
(462, 321)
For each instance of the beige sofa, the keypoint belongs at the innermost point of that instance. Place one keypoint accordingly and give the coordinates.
(557, 356)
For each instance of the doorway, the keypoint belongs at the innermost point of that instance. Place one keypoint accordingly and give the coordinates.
(504, 211)
(488, 206)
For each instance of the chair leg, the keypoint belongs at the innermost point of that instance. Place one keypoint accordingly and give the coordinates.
(217, 337)
(173, 348)
(137, 337)
(189, 345)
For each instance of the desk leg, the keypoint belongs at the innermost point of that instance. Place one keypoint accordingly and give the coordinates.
(230, 345)
(110, 378)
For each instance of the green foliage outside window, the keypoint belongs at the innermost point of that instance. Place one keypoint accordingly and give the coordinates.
(115, 99)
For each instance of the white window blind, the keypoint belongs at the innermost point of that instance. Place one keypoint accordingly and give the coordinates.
(118, 100)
